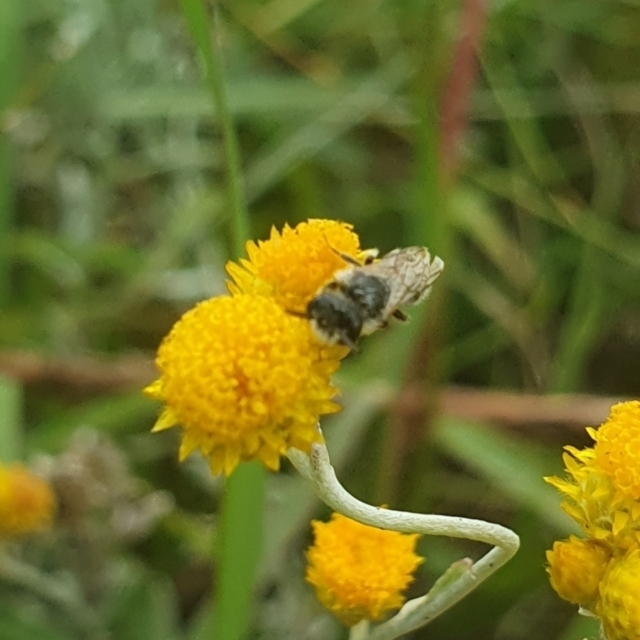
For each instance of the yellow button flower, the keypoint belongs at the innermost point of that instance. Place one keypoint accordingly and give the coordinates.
(618, 447)
(360, 572)
(575, 569)
(245, 380)
(27, 502)
(605, 513)
(293, 264)
(619, 604)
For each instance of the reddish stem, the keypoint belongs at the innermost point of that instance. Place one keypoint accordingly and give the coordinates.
(457, 94)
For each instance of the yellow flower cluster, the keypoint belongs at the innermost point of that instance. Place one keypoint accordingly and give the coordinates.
(576, 568)
(602, 494)
(360, 572)
(243, 377)
(618, 607)
(293, 264)
(27, 503)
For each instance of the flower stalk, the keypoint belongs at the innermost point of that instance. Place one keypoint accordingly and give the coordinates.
(316, 468)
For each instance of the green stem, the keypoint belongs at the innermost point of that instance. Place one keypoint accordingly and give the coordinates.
(240, 540)
(240, 215)
(239, 550)
(10, 70)
(201, 27)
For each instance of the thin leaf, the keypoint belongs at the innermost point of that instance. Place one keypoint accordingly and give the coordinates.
(501, 461)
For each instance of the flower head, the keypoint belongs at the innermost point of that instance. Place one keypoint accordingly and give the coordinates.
(293, 264)
(602, 491)
(605, 513)
(618, 447)
(575, 569)
(245, 380)
(27, 502)
(619, 605)
(360, 572)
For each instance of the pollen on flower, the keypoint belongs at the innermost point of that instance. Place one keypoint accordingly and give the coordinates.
(360, 572)
(244, 380)
(618, 447)
(27, 502)
(293, 264)
(619, 605)
(575, 569)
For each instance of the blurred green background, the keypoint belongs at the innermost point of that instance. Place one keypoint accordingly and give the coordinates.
(519, 166)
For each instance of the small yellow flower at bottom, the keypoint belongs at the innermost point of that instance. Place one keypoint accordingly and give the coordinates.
(244, 380)
(575, 569)
(619, 605)
(360, 572)
(27, 502)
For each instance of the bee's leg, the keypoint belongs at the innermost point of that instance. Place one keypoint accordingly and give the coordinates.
(348, 342)
(369, 255)
(399, 315)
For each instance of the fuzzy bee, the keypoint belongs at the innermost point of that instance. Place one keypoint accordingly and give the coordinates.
(362, 298)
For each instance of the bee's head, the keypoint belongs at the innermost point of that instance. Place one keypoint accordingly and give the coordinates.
(335, 319)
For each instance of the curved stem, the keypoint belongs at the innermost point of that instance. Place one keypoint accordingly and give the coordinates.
(316, 467)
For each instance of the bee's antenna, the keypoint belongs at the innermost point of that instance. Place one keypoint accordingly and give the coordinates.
(297, 314)
(347, 258)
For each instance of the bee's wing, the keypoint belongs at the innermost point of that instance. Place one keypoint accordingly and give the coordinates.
(435, 269)
(431, 274)
(410, 272)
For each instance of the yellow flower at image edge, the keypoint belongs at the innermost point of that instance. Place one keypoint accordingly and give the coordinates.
(360, 572)
(619, 605)
(27, 502)
(575, 569)
(293, 264)
(244, 380)
(618, 447)
(603, 482)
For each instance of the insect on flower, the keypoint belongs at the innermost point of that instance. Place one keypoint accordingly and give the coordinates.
(362, 298)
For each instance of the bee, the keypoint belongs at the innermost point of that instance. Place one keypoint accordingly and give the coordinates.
(362, 298)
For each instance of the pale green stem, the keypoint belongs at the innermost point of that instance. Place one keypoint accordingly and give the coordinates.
(316, 467)
(359, 631)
